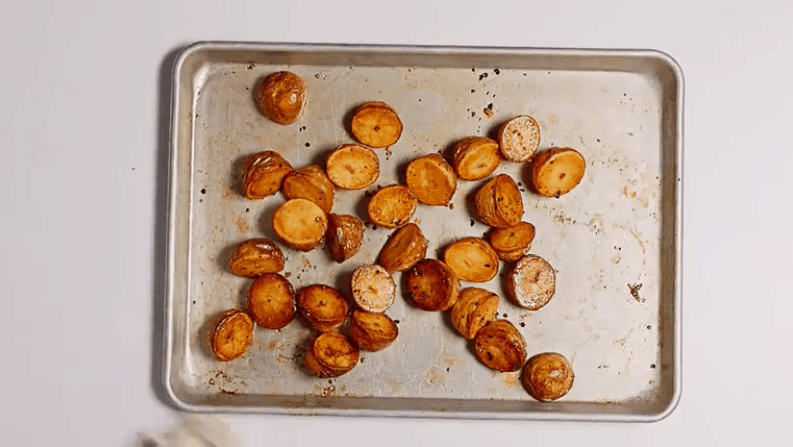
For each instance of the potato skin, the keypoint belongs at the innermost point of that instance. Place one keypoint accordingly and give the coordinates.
(351, 166)
(547, 376)
(500, 346)
(322, 307)
(404, 248)
(255, 257)
(232, 336)
(344, 237)
(512, 243)
(392, 206)
(300, 223)
(281, 97)
(499, 203)
(471, 259)
(431, 179)
(532, 282)
(372, 331)
(331, 355)
(432, 286)
(311, 183)
(263, 173)
(376, 124)
(473, 310)
(474, 158)
(271, 301)
(556, 171)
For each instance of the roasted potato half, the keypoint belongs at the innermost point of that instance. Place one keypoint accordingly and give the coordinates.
(351, 166)
(471, 259)
(512, 243)
(431, 179)
(392, 206)
(271, 301)
(281, 97)
(311, 183)
(431, 285)
(373, 288)
(499, 203)
(344, 237)
(404, 248)
(255, 257)
(263, 173)
(500, 346)
(331, 355)
(475, 157)
(473, 310)
(557, 171)
(232, 336)
(519, 138)
(323, 307)
(376, 124)
(547, 376)
(532, 282)
(300, 223)
(372, 331)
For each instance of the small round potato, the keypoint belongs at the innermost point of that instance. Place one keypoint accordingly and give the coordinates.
(431, 285)
(263, 173)
(499, 203)
(256, 257)
(271, 301)
(300, 223)
(311, 183)
(512, 243)
(403, 249)
(500, 346)
(475, 157)
(471, 259)
(532, 282)
(431, 179)
(474, 309)
(372, 331)
(331, 355)
(373, 288)
(232, 336)
(351, 166)
(557, 171)
(547, 376)
(281, 97)
(344, 237)
(376, 124)
(392, 206)
(519, 138)
(323, 307)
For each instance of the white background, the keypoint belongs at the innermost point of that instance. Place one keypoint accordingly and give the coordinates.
(80, 111)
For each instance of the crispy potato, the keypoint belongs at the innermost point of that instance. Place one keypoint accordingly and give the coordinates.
(512, 243)
(431, 285)
(547, 376)
(233, 335)
(519, 138)
(473, 310)
(471, 259)
(256, 257)
(263, 173)
(311, 183)
(500, 346)
(431, 179)
(371, 331)
(351, 166)
(344, 237)
(532, 282)
(373, 288)
(403, 249)
(557, 171)
(376, 124)
(475, 158)
(281, 97)
(499, 203)
(392, 206)
(331, 355)
(300, 223)
(271, 301)
(323, 307)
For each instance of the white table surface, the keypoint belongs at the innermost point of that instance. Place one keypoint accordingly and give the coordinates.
(80, 111)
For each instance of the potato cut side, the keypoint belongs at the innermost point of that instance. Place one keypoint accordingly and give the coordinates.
(473, 310)
(431, 285)
(271, 301)
(392, 206)
(532, 282)
(323, 307)
(403, 249)
(476, 157)
(472, 259)
(255, 257)
(351, 166)
(263, 173)
(499, 203)
(547, 376)
(500, 346)
(281, 97)
(344, 237)
(557, 171)
(300, 223)
(373, 288)
(331, 355)
(232, 335)
(376, 124)
(431, 179)
(512, 243)
(310, 183)
(519, 138)
(372, 331)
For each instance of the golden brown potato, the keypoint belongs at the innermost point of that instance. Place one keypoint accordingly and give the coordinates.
(376, 124)
(557, 171)
(271, 301)
(331, 355)
(311, 183)
(344, 237)
(263, 173)
(373, 288)
(256, 257)
(532, 282)
(475, 157)
(392, 206)
(471, 259)
(281, 97)
(547, 376)
(300, 223)
(500, 346)
(233, 335)
(512, 243)
(473, 310)
(431, 179)
(351, 166)
(499, 203)
(431, 285)
(403, 249)
(323, 307)
(519, 138)
(371, 331)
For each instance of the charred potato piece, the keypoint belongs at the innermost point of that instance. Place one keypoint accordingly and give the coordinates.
(557, 171)
(512, 243)
(371, 331)
(547, 376)
(344, 237)
(271, 301)
(376, 124)
(311, 183)
(499, 203)
(500, 346)
(300, 223)
(475, 158)
(373, 288)
(232, 336)
(323, 307)
(403, 249)
(392, 206)
(256, 257)
(519, 138)
(263, 173)
(351, 166)
(281, 97)
(472, 259)
(532, 282)
(331, 355)
(431, 285)
(431, 179)
(473, 310)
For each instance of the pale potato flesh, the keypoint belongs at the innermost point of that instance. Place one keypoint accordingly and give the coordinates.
(373, 288)
(519, 138)
(532, 282)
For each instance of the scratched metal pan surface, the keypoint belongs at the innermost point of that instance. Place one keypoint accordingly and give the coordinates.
(614, 240)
